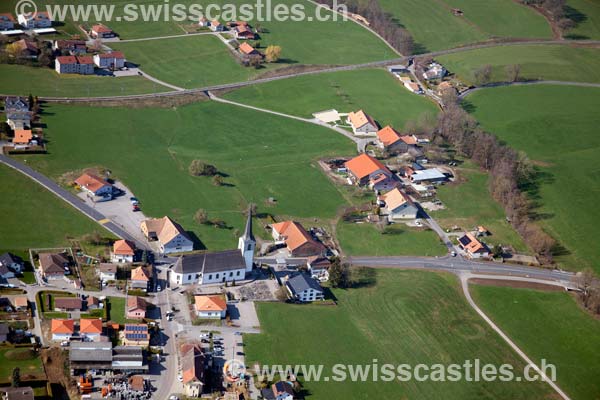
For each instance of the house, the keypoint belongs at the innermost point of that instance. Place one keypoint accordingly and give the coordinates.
(40, 19)
(7, 22)
(204, 22)
(12, 262)
(82, 65)
(6, 272)
(135, 335)
(27, 48)
(20, 303)
(362, 123)
(94, 185)
(192, 369)
(298, 241)
(136, 307)
(72, 47)
(410, 85)
(389, 139)
(434, 71)
(68, 304)
(278, 391)
(93, 303)
(304, 288)
(398, 205)
(210, 306)
(473, 247)
(90, 328)
(428, 175)
(62, 329)
(107, 272)
(18, 115)
(123, 251)
(100, 31)
(248, 50)
(17, 393)
(4, 331)
(445, 86)
(53, 265)
(22, 137)
(113, 60)
(242, 31)
(364, 168)
(318, 267)
(141, 278)
(216, 26)
(207, 268)
(170, 235)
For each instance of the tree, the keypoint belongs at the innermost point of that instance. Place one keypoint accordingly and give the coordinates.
(483, 75)
(272, 53)
(200, 168)
(255, 61)
(339, 274)
(13, 50)
(585, 281)
(201, 216)
(217, 180)
(16, 377)
(497, 251)
(513, 71)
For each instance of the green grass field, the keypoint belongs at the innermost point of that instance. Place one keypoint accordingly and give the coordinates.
(469, 204)
(366, 240)
(434, 27)
(550, 326)
(557, 127)
(376, 91)
(404, 317)
(260, 156)
(22, 80)
(587, 15)
(25, 359)
(117, 310)
(549, 62)
(34, 217)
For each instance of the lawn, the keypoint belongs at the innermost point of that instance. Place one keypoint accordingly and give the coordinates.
(587, 15)
(550, 326)
(22, 80)
(24, 358)
(397, 317)
(557, 126)
(468, 204)
(259, 155)
(374, 90)
(116, 311)
(399, 240)
(34, 217)
(434, 27)
(549, 62)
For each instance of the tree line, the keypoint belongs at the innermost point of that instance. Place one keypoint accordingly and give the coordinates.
(381, 22)
(557, 10)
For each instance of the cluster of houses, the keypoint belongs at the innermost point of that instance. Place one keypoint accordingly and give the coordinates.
(240, 29)
(19, 118)
(86, 64)
(38, 20)
(10, 265)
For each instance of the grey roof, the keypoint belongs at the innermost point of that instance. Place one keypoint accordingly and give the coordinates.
(248, 232)
(4, 269)
(128, 353)
(16, 103)
(91, 351)
(210, 262)
(18, 393)
(4, 329)
(301, 282)
(428, 174)
(9, 258)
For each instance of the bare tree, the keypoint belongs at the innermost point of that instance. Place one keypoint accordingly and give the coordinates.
(483, 75)
(513, 71)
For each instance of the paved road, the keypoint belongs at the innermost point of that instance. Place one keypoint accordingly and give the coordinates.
(540, 82)
(381, 63)
(70, 198)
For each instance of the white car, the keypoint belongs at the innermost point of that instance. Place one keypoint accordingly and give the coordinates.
(180, 378)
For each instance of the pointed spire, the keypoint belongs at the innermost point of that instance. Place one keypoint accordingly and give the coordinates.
(248, 232)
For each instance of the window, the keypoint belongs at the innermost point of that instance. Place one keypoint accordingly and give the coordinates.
(238, 273)
(209, 276)
(249, 246)
(230, 274)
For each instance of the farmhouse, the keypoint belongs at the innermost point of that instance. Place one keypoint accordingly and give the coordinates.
(100, 31)
(473, 247)
(27, 48)
(248, 50)
(242, 31)
(362, 123)
(67, 304)
(135, 335)
(304, 288)
(397, 205)
(141, 278)
(7, 22)
(278, 391)
(62, 329)
(391, 140)
(90, 328)
(22, 137)
(94, 185)
(318, 267)
(364, 168)
(72, 47)
(12, 262)
(18, 116)
(298, 241)
(113, 60)
(170, 235)
(210, 306)
(192, 369)
(216, 26)
(410, 85)
(428, 175)
(123, 251)
(136, 307)
(40, 19)
(82, 65)
(434, 71)
(107, 272)
(53, 265)
(206, 268)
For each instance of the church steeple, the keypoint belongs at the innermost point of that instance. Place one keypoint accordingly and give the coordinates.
(247, 243)
(248, 231)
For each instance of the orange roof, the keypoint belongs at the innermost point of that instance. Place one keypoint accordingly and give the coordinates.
(62, 326)
(474, 245)
(364, 165)
(395, 198)
(20, 301)
(408, 139)
(85, 59)
(210, 303)
(91, 182)
(101, 28)
(360, 118)
(246, 48)
(90, 325)
(124, 248)
(66, 59)
(192, 363)
(388, 136)
(22, 136)
(140, 274)
(295, 235)
(165, 228)
(112, 54)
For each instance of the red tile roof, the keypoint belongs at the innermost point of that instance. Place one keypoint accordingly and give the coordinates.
(210, 303)
(22, 136)
(90, 326)
(124, 248)
(364, 165)
(62, 326)
(91, 181)
(388, 136)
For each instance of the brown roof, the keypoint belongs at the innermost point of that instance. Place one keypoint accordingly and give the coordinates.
(474, 245)
(20, 301)
(107, 267)
(27, 45)
(85, 59)
(408, 139)
(66, 59)
(136, 303)
(62, 326)
(140, 274)
(210, 303)
(92, 301)
(246, 48)
(166, 229)
(360, 118)
(192, 363)
(22, 136)
(101, 28)
(90, 325)
(91, 182)
(52, 263)
(112, 54)
(124, 248)
(388, 136)
(295, 235)
(364, 165)
(136, 382)
(68, 303)
(395, 198)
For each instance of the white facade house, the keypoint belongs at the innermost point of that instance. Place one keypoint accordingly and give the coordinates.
(112, 60)
(171, 237)
(398, 205)
(210, 307)
(82, 65)
(207, 268)
(304, 288)
(7, 22)
(40, 19)
(107, 272)
(362, 124)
